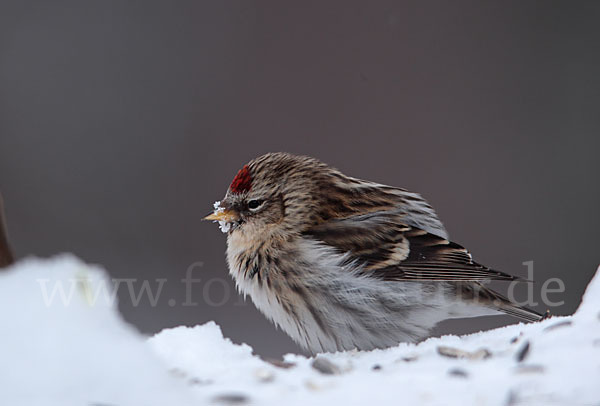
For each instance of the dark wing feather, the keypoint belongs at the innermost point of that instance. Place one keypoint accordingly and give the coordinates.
(477, 293)
(393, 250)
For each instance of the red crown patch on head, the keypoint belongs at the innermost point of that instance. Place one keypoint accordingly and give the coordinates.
(242, 181)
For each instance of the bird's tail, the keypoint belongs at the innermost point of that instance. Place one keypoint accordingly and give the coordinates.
(487, 297)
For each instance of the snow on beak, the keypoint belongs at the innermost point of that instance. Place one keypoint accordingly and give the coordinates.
(225, 217)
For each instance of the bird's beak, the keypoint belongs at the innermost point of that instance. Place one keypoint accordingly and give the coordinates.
(228, 216)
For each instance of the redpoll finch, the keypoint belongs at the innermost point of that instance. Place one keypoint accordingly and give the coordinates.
(340, 263)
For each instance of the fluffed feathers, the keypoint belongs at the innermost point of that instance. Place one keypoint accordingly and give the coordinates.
(343, 263)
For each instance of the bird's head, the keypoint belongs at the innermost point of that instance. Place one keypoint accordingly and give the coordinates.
(276, 194)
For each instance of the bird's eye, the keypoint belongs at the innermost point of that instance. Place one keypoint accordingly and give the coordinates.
(254, 204)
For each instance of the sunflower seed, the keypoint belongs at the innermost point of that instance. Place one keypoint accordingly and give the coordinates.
(231, 399)
(458, 372)
(560, 324)
(451, 352)
(528, 369)
(279, 363)
(326, 367)
(523, 351)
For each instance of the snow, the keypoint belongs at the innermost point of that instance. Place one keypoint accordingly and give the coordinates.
(78, 351)
(85, 354)
(223, 225)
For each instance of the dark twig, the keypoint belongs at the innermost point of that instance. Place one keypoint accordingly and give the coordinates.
(6, 255)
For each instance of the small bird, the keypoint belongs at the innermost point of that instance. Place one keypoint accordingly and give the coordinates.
(341, 263)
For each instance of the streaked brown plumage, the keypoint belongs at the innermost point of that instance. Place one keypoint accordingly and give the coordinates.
(342, 263)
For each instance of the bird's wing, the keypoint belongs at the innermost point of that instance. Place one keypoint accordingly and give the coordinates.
(391, 249)
(415, 210)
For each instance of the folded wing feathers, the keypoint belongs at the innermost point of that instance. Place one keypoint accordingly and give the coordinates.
(392, 250)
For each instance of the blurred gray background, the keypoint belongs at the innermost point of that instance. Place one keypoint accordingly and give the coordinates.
(122, 122)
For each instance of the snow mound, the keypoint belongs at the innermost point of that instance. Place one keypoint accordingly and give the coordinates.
(556, 361)
(203, 350)
(71, 347)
